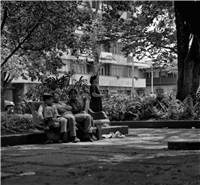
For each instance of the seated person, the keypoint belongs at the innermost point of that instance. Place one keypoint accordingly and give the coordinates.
(64, 111)
(51, 116)
(85, 120)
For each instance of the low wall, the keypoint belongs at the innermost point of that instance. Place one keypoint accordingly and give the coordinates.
(159, 124)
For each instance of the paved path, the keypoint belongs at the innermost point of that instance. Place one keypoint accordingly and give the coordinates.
(141, 158)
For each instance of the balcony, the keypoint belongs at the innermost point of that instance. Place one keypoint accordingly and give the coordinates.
(162, 80)
(113, 81)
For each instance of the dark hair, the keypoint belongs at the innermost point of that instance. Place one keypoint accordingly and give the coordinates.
(92, 78)
(47, 96)
(71, 90)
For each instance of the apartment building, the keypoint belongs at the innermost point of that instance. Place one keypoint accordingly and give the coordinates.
(163, 81)
(115, 74)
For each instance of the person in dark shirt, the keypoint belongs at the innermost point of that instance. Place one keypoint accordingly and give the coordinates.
(96, 97)
(85, 120)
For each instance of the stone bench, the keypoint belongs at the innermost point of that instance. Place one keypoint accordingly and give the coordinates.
(100, 118)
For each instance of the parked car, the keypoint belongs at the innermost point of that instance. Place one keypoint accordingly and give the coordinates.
(9, 106)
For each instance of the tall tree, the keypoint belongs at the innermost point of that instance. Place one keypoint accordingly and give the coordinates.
(34, 34)
(154, 32)
(188, 41)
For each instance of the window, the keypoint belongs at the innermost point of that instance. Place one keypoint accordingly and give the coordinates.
(80, 69)
(117, 71)
(117, 49)
(106, 48)
(102, 71)
(148, 74)
(95, 4)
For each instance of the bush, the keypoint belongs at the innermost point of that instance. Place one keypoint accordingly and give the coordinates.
(125, 108)
(16, 123)
(60, 85)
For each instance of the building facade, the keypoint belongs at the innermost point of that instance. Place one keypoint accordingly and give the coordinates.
(163, 81)
(115, 73)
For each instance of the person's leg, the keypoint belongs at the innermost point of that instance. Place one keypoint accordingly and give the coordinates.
(85, 120)
(63, 128)
(63, 125)
(72, 127)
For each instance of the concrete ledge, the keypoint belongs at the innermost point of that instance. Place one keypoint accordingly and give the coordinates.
(35, 138)
(21, 139)
(184, 145)
(121, 129)
(159, 124)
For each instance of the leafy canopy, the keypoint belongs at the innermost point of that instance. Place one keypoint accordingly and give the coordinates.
(37, 33)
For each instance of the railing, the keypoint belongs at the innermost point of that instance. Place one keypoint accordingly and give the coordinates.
(113, 81)
(166, 80)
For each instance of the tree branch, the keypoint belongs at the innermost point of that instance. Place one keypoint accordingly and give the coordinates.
(20, 44)
(165, 47)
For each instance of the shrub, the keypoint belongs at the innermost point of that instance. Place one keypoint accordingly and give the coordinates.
(125, 108)
(16, 123)
(60, 85)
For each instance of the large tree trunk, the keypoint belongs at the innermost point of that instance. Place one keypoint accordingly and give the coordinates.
(2, 91)
(188, 59)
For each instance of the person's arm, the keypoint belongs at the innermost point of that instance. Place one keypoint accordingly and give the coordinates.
(51, 113)
(97, 95)
(40, 112)
(68, 107)
(75, 108)
(62, 108)
(55, 111)
(94, 93)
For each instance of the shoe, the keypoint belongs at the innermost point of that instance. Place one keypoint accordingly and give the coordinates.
(87, 137)
(59, 141)
(48, 142)
(93, 137)
(75, 139)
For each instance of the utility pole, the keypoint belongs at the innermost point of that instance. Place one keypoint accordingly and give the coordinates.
(133, 87)
(152, 78)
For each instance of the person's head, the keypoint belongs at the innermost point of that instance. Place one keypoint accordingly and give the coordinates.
(73, 93)
(48, 98)
(56, 97)
(94, 79)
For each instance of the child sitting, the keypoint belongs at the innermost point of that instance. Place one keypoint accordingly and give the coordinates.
(51, 116)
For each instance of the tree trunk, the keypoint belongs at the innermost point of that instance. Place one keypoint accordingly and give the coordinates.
(2, 104)
(2, 91)
(188, 60)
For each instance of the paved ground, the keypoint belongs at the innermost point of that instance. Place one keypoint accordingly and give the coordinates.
(141, 158)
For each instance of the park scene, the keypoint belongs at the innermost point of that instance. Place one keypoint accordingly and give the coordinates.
(100, 92)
